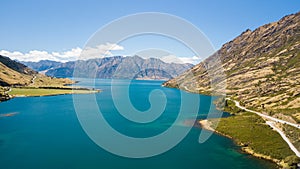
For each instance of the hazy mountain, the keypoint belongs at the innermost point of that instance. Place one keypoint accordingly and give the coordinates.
(262, 68)
(113, 67)
(41, 65)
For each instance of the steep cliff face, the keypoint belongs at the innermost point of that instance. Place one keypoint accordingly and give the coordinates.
(262, 67)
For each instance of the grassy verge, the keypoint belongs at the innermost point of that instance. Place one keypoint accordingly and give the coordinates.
(293, 134)
(47, 92)
(294, 113)
(257, 138)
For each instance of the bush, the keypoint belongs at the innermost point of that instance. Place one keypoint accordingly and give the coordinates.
(292, 161)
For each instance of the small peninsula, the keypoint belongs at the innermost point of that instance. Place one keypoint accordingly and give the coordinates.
(17, 80)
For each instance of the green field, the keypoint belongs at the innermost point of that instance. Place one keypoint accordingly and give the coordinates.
(46, 92)
(251, 132)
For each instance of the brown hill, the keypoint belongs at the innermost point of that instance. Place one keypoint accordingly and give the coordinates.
(14, 73)
(262, 68)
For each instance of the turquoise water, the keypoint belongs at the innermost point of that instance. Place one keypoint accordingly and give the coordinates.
(46, 134)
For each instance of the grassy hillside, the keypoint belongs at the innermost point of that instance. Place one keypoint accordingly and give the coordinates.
(11, 77)
(261, 69)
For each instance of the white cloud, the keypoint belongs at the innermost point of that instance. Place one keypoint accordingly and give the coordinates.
(33, 55)
(70, 55)
(171, 59)
(176, 59)
(100, 51)
(193, 60)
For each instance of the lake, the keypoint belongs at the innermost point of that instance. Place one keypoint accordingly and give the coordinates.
(45, 133)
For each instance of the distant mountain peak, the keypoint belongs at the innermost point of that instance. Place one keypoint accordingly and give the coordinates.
(113, 67)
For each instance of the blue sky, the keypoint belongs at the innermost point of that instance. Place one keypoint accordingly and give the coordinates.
(60, 26)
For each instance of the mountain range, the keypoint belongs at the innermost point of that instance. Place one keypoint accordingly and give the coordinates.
(130, 67)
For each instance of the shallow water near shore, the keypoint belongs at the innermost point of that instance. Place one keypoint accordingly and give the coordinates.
(45, 133)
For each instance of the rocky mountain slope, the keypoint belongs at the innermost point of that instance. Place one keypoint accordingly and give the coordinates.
(113, 67)
(14, 73)
(262, 69)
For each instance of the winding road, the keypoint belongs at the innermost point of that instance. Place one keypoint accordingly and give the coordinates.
(32, 80)
(292, 147)
(272, 124)
(264, 115)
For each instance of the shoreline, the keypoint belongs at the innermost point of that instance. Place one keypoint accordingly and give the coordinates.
(205, 124)
(19, 96)
(46, 91)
